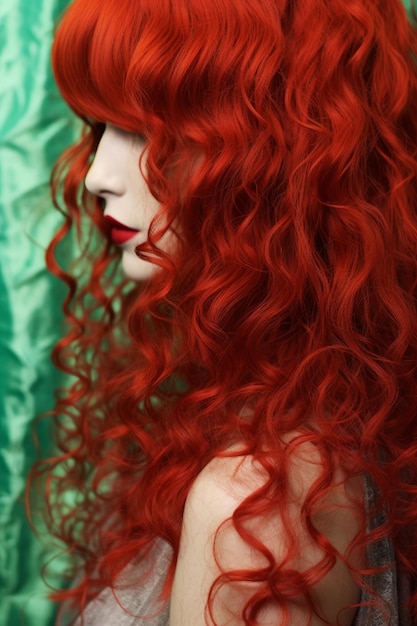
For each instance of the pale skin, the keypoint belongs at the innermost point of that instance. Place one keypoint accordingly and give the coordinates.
(226, 482)
(216, 493)
(115, 177)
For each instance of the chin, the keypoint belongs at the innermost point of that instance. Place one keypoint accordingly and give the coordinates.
(137, 269)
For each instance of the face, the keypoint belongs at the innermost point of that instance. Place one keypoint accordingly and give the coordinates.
(130, 207)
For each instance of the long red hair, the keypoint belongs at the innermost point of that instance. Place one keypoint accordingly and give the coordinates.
(282, 145)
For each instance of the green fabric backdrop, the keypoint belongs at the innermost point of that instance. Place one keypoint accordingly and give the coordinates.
(35, 126)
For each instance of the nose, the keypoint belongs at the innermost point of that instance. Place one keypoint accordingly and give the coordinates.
(105, 176)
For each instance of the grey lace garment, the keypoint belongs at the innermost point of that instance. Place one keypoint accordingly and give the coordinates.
(141, 604)
(390, 584)
(143, 608)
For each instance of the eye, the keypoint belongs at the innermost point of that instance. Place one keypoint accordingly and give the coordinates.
(98, 131)
(135, 135)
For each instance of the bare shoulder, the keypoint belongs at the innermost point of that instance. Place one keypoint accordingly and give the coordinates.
(218, 490)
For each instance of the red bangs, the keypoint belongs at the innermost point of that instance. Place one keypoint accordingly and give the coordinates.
(91, 55)
(134, 63)
(112, 58)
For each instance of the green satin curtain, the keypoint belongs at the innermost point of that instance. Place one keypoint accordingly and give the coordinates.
(35, 126)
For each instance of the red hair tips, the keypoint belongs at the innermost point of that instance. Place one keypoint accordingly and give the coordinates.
(282, 141)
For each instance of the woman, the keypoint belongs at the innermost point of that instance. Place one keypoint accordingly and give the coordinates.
(239, 442)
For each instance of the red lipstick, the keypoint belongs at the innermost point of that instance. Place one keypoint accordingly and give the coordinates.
(120, 233)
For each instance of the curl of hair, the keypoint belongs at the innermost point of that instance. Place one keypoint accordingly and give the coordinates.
(282, 138)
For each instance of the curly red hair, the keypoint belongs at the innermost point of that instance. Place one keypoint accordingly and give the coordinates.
(282, 138)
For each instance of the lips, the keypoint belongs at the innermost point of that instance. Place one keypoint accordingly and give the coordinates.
(120, 233)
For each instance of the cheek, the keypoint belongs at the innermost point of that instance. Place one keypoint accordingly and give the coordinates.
(151, 206)
(144, 202)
